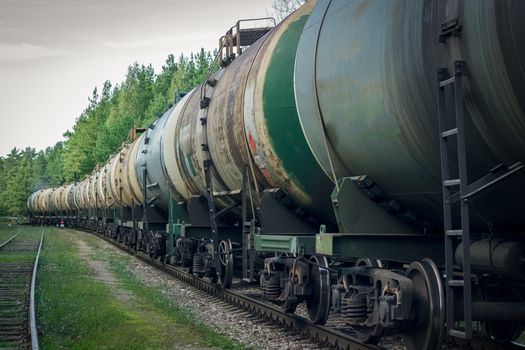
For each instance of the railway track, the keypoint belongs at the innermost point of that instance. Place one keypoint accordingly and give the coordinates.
(18, 266)
(324, 336)
(334, 335)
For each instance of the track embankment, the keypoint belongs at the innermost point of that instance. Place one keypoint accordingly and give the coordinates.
(87, 299)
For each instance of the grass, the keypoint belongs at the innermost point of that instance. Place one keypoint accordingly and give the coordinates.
(157, 302)
(25, 234)
(7, 231)
(78, 311)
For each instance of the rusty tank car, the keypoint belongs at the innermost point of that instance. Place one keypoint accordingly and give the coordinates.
(363, 157)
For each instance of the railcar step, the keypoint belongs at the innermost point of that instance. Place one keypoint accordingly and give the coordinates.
(455, 233)
(448, 81)
(457, 333)
(456, 283)
(451, 182)
(450, 132)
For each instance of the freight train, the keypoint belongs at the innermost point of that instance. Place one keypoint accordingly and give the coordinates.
(364, 157)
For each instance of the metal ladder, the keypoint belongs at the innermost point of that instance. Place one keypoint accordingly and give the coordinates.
(248, 229)
(454, 235)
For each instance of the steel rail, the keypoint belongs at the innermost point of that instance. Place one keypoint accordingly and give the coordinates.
(321, 334)
(324, 335)
(10, 239)
(32, 310)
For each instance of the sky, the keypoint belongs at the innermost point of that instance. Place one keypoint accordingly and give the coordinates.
(54, 52)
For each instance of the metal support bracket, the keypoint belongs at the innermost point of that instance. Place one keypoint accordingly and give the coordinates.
(450, 28)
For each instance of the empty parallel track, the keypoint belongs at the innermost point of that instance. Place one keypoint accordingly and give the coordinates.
(18, 266)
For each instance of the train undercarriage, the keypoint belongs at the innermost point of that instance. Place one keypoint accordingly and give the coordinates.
(379, 284)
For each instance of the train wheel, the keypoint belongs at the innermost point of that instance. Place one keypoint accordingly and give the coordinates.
(429, 307)
(318, 302)
(226, 264)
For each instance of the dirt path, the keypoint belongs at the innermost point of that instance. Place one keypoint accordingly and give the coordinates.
(100, 257)
(100, 269)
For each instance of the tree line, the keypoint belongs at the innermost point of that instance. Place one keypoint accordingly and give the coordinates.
(101, 129)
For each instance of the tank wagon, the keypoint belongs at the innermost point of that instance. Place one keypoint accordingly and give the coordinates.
(363, 157)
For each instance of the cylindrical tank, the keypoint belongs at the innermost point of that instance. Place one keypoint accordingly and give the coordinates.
(100, 187)
(272, 129)
(251, 122)
(34, 200)
(85, 193)
(130, 187)
(38, 200)
(100, 201)
(110, 200)
(64, 205)
(93, 198)
(71, 203)
(79, 199)
(55, 198)
(366, 74)
(114, 177)
(150, 157)
(30, 201)
(45, 202)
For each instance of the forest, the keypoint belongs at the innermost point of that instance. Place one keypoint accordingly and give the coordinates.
(100, 130)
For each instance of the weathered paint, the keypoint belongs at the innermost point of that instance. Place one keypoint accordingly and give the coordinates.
(289, 145)
(71, 197)
(114, 177)
(56, 195)
(77, 196)
(129, 186)
(252, 99)
(64, 198)
(84, 194)
(276, 142)
(93, 197)
(45, 200)
(150, 156)
(110, 200)
(170, 151)
(101, 195)
(367, 70)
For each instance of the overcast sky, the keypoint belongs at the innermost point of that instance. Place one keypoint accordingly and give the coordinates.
(53, 52)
